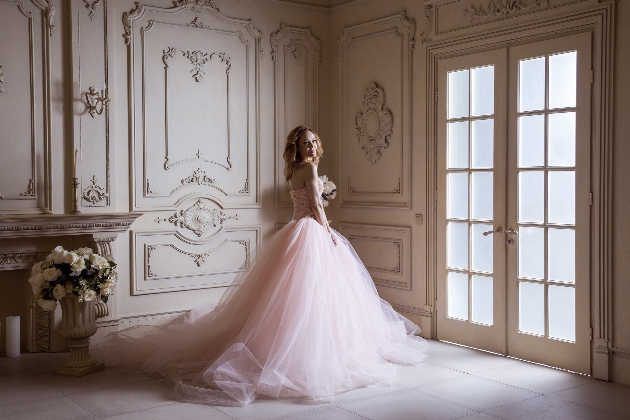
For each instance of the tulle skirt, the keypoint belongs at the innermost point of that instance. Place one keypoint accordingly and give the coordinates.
(306, 320)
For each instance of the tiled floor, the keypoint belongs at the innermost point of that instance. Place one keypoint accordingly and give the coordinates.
(455, 383)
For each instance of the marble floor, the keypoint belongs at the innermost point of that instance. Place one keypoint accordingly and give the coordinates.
(455, 383)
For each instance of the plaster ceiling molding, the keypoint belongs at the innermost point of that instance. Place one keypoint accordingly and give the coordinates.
(91, 7)
(374, 125)
(501, 7)
(198, 218)
(94, 193)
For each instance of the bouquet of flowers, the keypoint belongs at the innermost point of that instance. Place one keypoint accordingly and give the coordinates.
(81, 272)
(330, 190)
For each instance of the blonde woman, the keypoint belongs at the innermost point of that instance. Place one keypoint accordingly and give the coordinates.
(305, 321)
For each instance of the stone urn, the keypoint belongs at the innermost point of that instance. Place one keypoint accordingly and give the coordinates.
(78, 325)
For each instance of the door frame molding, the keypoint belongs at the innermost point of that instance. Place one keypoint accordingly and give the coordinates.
(549, 23)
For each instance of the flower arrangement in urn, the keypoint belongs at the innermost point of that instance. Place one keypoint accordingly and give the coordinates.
(81, 272)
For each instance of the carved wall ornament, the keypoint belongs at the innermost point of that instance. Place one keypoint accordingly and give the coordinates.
(198, 218)
(280, 33)
(197, 23)
(94, 192)
(428, 23)
(197, 5)
(245, 264)
(296, 47)
(30, 190)
(245, 189)
(374, 124)
(43, 328)
(197, 59)
(1, 196)
(1, 80)
(502, 7)
(91, 7)
(396, 190)
(149, 190)
(198, 177)
(96, 102)
(18, 260)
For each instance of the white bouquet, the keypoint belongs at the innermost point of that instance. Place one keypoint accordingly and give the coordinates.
(330, 190)
(80, 272)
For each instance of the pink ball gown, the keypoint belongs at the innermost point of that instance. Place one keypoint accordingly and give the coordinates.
(306, 320)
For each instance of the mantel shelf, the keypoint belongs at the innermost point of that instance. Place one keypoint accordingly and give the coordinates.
(65, 224)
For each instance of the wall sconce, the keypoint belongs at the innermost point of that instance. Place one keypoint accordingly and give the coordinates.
(96, 102)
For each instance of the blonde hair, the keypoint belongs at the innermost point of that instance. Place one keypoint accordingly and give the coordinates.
(292, 158)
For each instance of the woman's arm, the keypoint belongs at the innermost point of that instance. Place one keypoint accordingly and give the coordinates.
(310, 172)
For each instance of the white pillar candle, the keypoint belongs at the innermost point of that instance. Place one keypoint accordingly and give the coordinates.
(13, 336)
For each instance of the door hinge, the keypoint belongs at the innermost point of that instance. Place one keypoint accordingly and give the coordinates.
(590, 334)
(590, 197)
(592, 76)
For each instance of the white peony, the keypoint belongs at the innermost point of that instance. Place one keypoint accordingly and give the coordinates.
(86, 251)
(51, 274)
(78, 266)
(59, 291)
(98, 261)
(47, 305)
(70, 258)
(108, 288)
(37, 268)
(89, 295)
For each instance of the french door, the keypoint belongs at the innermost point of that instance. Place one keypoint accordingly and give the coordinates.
(514, 201)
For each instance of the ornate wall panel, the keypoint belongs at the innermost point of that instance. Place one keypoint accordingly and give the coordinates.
(297, 54)
(385, 251)
(193, 98)
(91, 22)
(25, 162)
(375, 104)
(198, 246)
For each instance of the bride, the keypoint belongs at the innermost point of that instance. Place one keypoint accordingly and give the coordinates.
(306, 320)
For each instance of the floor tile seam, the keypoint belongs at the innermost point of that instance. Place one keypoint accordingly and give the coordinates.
(217, 410)
(449, 368)
(95, 389)
(81, 405)
(517, 387)
(309, 410)
(352, 412)
(30, 375)
(455, 404)
(512, 403)
(138, 411)
(588, 406)
(471, 373)
(374, 396)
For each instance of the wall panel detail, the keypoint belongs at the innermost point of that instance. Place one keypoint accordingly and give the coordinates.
(194, 105)
(385, 251)
(376, 58)
(297, 54)
(25, 106)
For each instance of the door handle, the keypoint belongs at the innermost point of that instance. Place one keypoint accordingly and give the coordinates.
(490, 232)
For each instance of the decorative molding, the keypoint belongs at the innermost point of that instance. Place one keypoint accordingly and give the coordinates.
(197, 59)
(246, 263)
(149, 190)
(197, 5)
(1, 80)
(296, 47)
(428, 23)
(43, 328)
(397, 243)
(94, 192)
(30, 190)
(91, 7)
(64, 224)
(197, 23)
(280, 33)
(198, 218)
(20, 260)
(502, 7)
(374, 124)
(49, 13)
(198, 177)
(425, 311)
(198, 259)
(245, 189)
(96, 102)
(396, 190)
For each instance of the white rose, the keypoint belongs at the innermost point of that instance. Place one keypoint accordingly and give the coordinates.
(86, 251)
(59, 291)
(98, 261)
(47, 305)
(51, 274)
(107, 288)
(60, 257)
(70, 258)
(37, 268)
(89, 295)
(77, 267)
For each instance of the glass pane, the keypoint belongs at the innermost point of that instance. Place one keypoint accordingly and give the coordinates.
(458, 94)
(561, 312)
(458, 145)
(531, 197)
(561, 139)
(531, 84)
(562, 80)
(458, 296)
(482, 100)
(483, 144)
(561, 197)
(531, 141)
(457, 245)
(482, 300)
(457, 184)
(531, 308)
(482, 195)
(561, 254)
(482, 248)
(531, 253)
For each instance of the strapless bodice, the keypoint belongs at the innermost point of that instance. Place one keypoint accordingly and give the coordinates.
(302, 201)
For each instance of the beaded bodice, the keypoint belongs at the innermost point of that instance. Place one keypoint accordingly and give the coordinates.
(302, 202)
